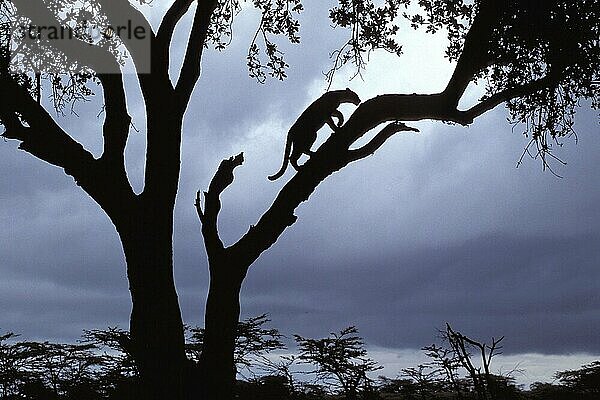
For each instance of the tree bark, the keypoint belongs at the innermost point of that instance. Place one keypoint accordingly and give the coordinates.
(222, 314)
(156, 327)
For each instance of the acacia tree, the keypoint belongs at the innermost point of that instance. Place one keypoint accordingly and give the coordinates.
(538, 57)
(340, 360)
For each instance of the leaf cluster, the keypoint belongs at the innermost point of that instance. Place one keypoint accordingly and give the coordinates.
(340, 359)
(549, 50)
(371, 27)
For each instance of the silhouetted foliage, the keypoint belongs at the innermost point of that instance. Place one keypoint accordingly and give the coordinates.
(98, 368)
(50, 370)
(421, 382)
(253, 342)
(340, 360)
(584, 381)
(445, 364)
(551, 46)
(481, 377)
(119, 376)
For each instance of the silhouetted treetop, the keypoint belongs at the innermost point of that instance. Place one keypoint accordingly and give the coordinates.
(541, 57)
(585, 380)
(340, 360)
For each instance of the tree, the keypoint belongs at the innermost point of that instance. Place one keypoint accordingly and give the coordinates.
(538, 57)
(461, 346)
(445, 365)
(443, 373)
(340, 359)
(12, 360)
(253, 342)
(119, 377)
(585, 381)
(34, 370)
(422, 382)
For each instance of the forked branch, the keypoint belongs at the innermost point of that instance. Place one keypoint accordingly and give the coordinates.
(27, 121)
(212, 202)
(475, 55)
(329, 158)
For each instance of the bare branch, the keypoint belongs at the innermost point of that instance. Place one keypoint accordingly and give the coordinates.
(190, 71)
(379, 140)
(212, 203)
(501, 97)
(38, 133)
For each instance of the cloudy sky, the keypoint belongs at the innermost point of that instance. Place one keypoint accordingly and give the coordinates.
(435, 227)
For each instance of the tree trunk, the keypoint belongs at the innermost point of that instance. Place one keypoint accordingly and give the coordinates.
(156, 327)
(220, 323)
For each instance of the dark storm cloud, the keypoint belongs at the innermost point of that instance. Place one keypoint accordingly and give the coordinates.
(28, 177)
(535, 290)
(228, 101)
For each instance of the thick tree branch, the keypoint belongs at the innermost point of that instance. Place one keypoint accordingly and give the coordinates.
(47, 141)
(164, 36)
(27, 121)
(400, 107)
(496, 99)
(171, 19)
(190, 71)
(39, 134)
(212, 203)
(475, 55)
(117, 121)
(166, 106)
(332, 156)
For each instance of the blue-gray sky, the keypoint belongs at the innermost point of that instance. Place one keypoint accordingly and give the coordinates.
(435, 227)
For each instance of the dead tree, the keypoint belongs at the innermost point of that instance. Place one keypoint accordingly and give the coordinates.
(461, 346)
